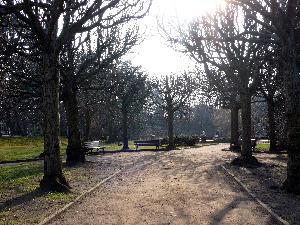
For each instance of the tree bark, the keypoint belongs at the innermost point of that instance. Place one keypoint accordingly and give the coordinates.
(53, 178)
(246, 151)
(125, 127)
(234, 140)
(272, 125)
(292, 97)
(170, 121)
(111, 131)
(75, 152)
(87, 117)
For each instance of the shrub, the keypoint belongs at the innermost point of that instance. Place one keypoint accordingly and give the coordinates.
(182, 140)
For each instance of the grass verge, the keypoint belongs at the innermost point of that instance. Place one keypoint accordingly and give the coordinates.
(22, 148)
(264, 146)
(19, 188)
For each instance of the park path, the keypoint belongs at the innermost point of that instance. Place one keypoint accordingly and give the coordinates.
(178, 187)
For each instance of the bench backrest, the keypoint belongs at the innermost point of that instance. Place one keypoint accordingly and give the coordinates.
(92, 144)
(154, 142)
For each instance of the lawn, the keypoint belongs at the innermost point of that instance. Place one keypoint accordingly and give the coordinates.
(22, 148)
(20, 184)
(19, 148)
(23, 177)
(116, 147)
(264, 146)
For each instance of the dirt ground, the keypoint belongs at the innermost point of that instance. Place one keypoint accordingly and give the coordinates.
(19, 206)
(265, 183)
(178, 187)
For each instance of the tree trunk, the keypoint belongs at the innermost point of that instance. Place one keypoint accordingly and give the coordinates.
(246, 151)
(9, 123)
(75, 152)
(53, 178)
(111, 136)
(171, 129)
(292, 97)
(234, 141)
(125, 127)
(87, 117)
(272, 126)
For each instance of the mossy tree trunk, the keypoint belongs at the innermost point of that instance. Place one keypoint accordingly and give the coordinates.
(170, 122)
(125, 127)
(87, 124)
(234, 140)
(75, 152)
(53, 178)
(292, 96)
(246, 151)
(272, 125)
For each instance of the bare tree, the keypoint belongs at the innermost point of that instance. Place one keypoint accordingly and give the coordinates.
(270, 89)
(172, 94)
(285, 31)
(131, 90)
(214, 41)
(80, 68)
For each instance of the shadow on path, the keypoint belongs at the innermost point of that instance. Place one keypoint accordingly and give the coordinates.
(127, 151)
(218, 216)
(19, 200)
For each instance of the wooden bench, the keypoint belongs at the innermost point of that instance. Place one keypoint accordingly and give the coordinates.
(155, 143)
(92, 145)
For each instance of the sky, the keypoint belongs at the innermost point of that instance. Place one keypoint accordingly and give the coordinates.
(154, 54)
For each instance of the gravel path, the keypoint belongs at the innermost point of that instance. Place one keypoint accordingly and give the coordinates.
(178, 187)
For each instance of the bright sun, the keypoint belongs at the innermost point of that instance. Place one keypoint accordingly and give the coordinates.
(188, 9)
(152, 54)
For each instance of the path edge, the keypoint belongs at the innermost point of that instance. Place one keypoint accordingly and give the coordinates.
(262, 204)
(67, 206)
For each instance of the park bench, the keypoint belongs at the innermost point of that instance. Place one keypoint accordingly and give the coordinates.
(89, 146)
(155, 143)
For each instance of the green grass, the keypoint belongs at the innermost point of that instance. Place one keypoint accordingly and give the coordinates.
(26, 177)
(22, 182)
(264, 146)
(21, 177)
(19, 141)
(57, 196)
(22, 148)
(116, 147)
(19, 148)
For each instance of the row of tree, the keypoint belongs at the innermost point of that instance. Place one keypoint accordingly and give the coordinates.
(57, 49)
(249, 54)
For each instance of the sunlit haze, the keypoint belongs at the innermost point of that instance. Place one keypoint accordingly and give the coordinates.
(153, 54)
